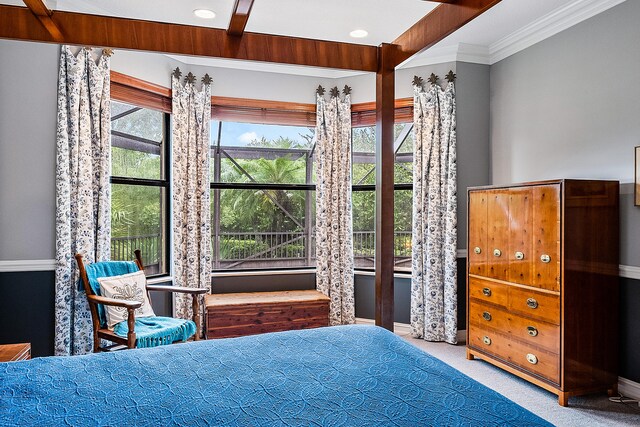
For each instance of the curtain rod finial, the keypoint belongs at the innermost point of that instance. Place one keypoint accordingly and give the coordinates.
(177, 73)
(320, 90)
(433, 79)
(451, 76)
(190, 78)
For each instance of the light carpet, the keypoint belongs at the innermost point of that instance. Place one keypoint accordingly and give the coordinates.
(591, 410)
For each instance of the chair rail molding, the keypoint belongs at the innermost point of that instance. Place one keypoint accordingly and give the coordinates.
(27, 265)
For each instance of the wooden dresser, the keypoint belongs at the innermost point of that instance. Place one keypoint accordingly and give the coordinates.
(542, 283)
(15, 352)
(238, 314)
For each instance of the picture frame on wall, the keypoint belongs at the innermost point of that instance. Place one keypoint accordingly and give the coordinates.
(636, 186)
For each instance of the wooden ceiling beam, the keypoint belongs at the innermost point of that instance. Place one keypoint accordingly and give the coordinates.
(105, 31)
(438, 24)
(239, 17)
(43, 14)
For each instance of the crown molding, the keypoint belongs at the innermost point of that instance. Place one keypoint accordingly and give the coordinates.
(265, 67)
(547, 26)
(462, 52)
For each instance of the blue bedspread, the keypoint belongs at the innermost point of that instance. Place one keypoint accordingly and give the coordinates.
(340, 376)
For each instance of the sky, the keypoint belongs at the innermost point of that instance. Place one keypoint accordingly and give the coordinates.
(240, 134)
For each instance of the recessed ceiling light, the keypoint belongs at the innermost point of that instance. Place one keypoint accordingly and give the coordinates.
(204, 13)
(359, 34)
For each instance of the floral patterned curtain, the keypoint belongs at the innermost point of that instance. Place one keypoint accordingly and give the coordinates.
(191, 210)
(83, 166)
(334, 237)
(434, 233)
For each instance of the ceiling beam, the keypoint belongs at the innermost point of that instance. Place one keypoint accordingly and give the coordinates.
(239, 17)
(40, 11)
(105, 31)
(438, 24)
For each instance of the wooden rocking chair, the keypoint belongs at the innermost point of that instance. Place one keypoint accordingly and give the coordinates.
(100, 330)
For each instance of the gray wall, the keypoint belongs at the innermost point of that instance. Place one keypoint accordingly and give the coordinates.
(27, 149)
(568, 107)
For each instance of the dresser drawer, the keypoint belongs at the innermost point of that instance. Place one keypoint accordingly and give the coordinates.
(534, 304)
(486, 290)
(530, 331)
(536, 361)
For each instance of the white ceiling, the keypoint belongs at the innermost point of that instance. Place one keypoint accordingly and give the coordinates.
(509, 26)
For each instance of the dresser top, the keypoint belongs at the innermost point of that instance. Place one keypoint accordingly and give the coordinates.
(546, 182)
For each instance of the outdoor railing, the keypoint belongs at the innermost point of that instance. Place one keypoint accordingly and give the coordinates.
(150, 246)
(236, 249)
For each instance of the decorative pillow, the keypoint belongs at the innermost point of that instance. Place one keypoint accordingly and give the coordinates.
(130, 287)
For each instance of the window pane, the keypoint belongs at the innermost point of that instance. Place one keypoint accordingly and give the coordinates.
(263, 228)
(364, 239)
(137, 121)
(136, 142)
(403, 205)
(404, 153)
(363, 157)
(265, 153)
(137, 222)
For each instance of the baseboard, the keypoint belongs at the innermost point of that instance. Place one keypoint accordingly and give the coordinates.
(629, 388)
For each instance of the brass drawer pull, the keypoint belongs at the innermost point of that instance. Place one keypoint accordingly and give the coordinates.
(519, 255)
(545, 258)
(486, 316)
(486, 292)
(532, 331)
(531, 358)
(486, 340)
(532, 303)
(497, 252)
(477, 250)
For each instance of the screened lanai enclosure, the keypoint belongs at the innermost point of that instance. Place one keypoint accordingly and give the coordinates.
(262, 192)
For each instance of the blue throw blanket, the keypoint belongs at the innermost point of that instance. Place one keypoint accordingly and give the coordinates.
(155, 331)
(106, 269)
(338, 376)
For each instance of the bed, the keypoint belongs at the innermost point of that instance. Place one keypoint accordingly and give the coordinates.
(338, 376)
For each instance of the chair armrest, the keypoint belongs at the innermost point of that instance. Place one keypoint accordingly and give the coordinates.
(116, 302)
(179, 289)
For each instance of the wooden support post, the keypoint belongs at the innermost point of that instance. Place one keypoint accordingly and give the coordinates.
(384, 256)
